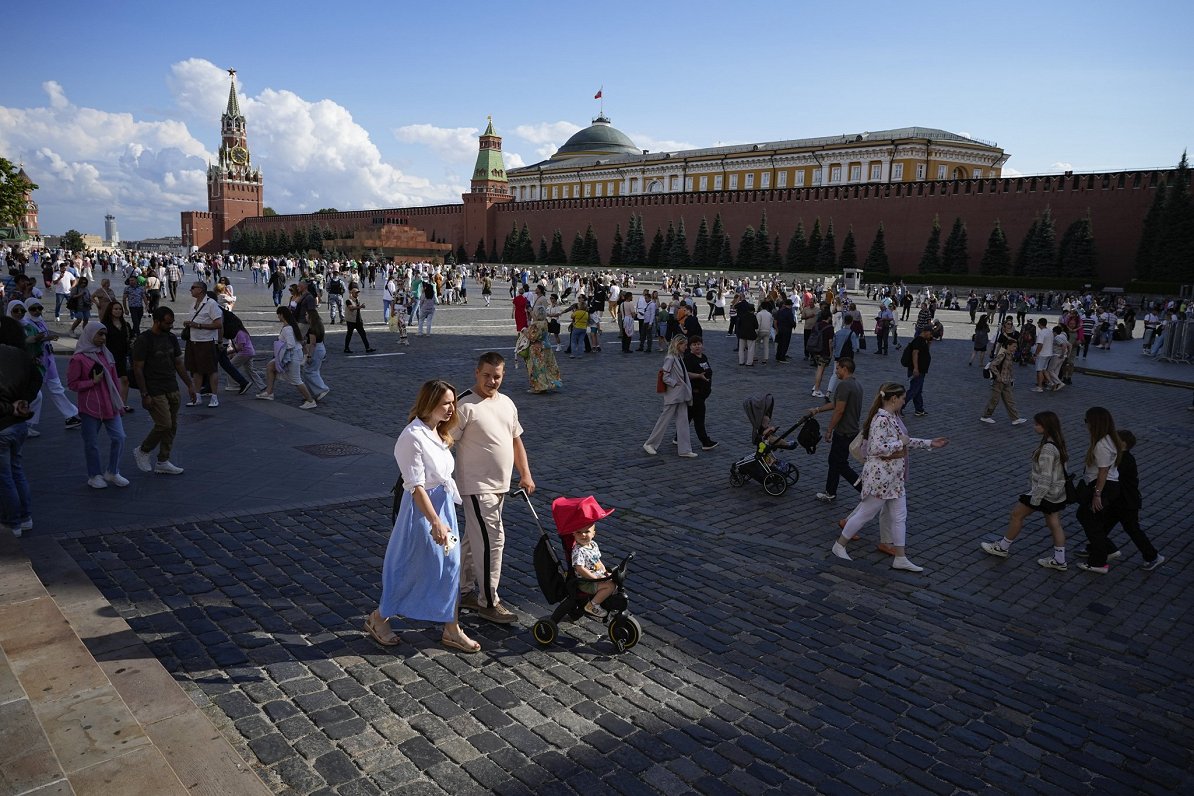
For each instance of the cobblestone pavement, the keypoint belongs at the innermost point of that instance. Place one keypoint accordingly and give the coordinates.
(766, 665)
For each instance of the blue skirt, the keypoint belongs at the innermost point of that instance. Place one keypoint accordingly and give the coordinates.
(417, 580)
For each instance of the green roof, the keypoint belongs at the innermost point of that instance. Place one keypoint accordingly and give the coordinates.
(600, 138)
(490, 166)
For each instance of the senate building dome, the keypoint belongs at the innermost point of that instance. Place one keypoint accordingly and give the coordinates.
(599, 138)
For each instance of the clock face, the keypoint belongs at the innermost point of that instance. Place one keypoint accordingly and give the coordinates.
(240, 155)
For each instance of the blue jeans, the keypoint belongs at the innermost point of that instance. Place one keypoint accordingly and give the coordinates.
(576, 342)
(311, 372)
(916, 386)
(277, 296)
(16, 505)
(90, 429)
(385, 310)
(59, 300)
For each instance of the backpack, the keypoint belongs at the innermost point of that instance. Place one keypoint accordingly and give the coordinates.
(816, 339)
(847, 348)
(906, 357)
(336, 286)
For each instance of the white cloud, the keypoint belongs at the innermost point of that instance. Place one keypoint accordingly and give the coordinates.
(452, 143)
(513, 160)
(1007, 171)
(659, 144)
(547, 132)
(1061, 165)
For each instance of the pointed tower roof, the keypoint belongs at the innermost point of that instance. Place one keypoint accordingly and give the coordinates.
(233, 104)
(489, 127)
(489, 167)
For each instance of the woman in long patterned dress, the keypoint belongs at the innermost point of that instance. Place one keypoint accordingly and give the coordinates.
(885, 474)
(542, 368)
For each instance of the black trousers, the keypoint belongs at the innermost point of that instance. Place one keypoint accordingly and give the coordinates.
(1097, 525)
(1130, 519)
(783, 339)
(881, 341)
(358, 327)
(696, 415)
(839, 464)
(227, 366)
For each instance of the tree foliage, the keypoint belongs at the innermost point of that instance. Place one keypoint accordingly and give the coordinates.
(655, 253)
(848, 258)
(1076, 256)
(930, 260)
(955, 257)
(797, 259)
(827, 255)
(13, 194)
(616, 251)
(876, 257)
(997, 259)
(1174, 254)
(700, 248)
(1040, 247)
(72, 240)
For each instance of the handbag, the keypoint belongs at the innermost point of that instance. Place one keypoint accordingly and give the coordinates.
(861, 343)
(1071, 490)
(987, 371)
(660, 385)
(186, 331)
(858, 448)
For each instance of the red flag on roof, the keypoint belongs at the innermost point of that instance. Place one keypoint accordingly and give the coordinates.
(598, 94)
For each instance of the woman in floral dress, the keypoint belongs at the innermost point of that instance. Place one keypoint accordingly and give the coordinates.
(542, 368)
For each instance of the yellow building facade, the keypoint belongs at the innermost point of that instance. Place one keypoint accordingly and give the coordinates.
(602, 161)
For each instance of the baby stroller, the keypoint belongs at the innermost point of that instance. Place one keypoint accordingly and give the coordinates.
(762, 464)
(559, 584)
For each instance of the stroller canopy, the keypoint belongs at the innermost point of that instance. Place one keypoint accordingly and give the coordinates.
(759, 411)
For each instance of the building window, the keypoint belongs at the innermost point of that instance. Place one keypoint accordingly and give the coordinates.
(750, 181)
(555, 189)
(765, 180)
(816, 176)
(978, 174)
(609, 188)
(799, 178)
(600, 186)
(897, 171)
(634, 185)
(688, 183)
(876, 169)
(941, 172)
(835, 173)
(920, 171)
(717, 182)
(781, 181)
(856, 173)
(733, 182)
(588, 189)
(704, 183)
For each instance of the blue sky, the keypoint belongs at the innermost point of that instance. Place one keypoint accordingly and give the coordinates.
(114, 106)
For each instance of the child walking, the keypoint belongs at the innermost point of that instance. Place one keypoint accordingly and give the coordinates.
(1126, 510)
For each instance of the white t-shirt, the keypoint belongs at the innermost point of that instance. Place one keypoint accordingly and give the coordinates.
(1044, 339)
(209, 312)
(1104, 456)
(63, 283)
(485, 443)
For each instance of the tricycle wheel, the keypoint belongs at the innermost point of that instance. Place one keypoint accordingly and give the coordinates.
(624, 631)
(775, 484)
(545, 631)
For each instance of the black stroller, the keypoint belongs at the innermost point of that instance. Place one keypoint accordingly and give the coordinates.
(761, 464)
(559, 584)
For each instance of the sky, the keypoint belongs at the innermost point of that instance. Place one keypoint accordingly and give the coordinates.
(114, 107)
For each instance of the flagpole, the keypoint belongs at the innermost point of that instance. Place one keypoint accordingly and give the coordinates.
(602, 92)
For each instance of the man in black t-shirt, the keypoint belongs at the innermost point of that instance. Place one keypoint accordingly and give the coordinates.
(157, 367)
(918, 367)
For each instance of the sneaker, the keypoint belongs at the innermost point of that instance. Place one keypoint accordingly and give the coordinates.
(689, 455)
(1084, 552)
(990, 420)
(27, 525)
(194, 402)
(32, 432)
(1059, 386)
(650, 451)
(710, 446)
(994, 549)
(1019, 421)
(818, 394)
(167, 468)
(308, 405)
(248, 385)
(1103, 570)
(1052, 563)
(142, 460)
(1037, 389)
(116, 479)
(595, 611)
(825, 497)
(74, 422)
(1149, 565)
(214, 402)
(920, 414)
(97, 482)
(264, 396)
(349, 351)
(323, 394)
(499, 614)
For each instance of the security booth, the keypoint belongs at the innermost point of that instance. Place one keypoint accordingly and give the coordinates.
(852, 279)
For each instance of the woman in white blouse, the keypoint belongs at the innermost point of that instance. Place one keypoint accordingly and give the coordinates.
(1100, 487)
(420, 578)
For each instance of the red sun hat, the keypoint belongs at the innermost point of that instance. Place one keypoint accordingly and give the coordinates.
(572, 514)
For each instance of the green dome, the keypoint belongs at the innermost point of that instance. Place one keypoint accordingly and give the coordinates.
(597, 139)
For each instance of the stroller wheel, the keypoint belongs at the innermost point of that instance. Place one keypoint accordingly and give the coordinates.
(545, 632)
(624, 631)
(775, 484)
(736, 478)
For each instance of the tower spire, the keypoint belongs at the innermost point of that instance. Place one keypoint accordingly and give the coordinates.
(233, 104)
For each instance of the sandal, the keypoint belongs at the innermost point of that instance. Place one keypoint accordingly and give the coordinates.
(390, 638)
(456, 643)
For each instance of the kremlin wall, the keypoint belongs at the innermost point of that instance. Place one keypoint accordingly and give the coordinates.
(901, 178)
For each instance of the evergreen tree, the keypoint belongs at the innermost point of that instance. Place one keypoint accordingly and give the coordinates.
(1150, 235)
(509, 244)
(876, 257)
(270, 242)
(655, 255)
(461, 254)
(777, 261)
(814, 245)
(615, 253)
(1175, 245)
(678, 254)
(314, 239)
(955, 259)
(557, 256)
(849, 254)
(797, 259)
(762, 258)
(542, 258)
(1041, 255)
(700, 248)
(716, 240)
(1076, 255)
(827, 255)
(592, 254)
(635, 251)
(930, 261)
(725, 258)
(576, 256)
(746, 249)
(997, 259)
(524, 252)
(669, 240)
(479, 255)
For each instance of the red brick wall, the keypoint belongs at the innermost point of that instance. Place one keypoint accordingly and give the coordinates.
(1117, 204)
(198, 230)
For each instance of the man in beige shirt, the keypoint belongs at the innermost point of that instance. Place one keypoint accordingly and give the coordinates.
(488, 447)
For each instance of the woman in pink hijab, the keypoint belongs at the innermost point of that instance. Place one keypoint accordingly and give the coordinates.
(92, 374)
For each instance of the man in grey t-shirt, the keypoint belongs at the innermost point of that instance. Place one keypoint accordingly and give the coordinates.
(846, 405)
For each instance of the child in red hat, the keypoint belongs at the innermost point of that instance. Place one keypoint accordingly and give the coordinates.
(579, 516)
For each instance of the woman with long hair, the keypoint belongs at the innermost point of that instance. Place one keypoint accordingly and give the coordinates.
(885, 474)
(287, 360)
(1046, 493)
(92, 374)
(314, 353)
(120, 344)
(1099, 489)
(677, 397)
(420, 578)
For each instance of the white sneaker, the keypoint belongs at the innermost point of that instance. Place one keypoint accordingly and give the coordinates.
(167, 468)
(142, 460)
(26, 525)
(650, 451)
(116, 479)
(902, 562)
(825, 497)
(264, 396)
(32, 432)
(97, 482)
(689, 455)
(1019, 421)
(214, 402)
(323, 394)
(990, 420)
(818, 394)
(308, 405)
